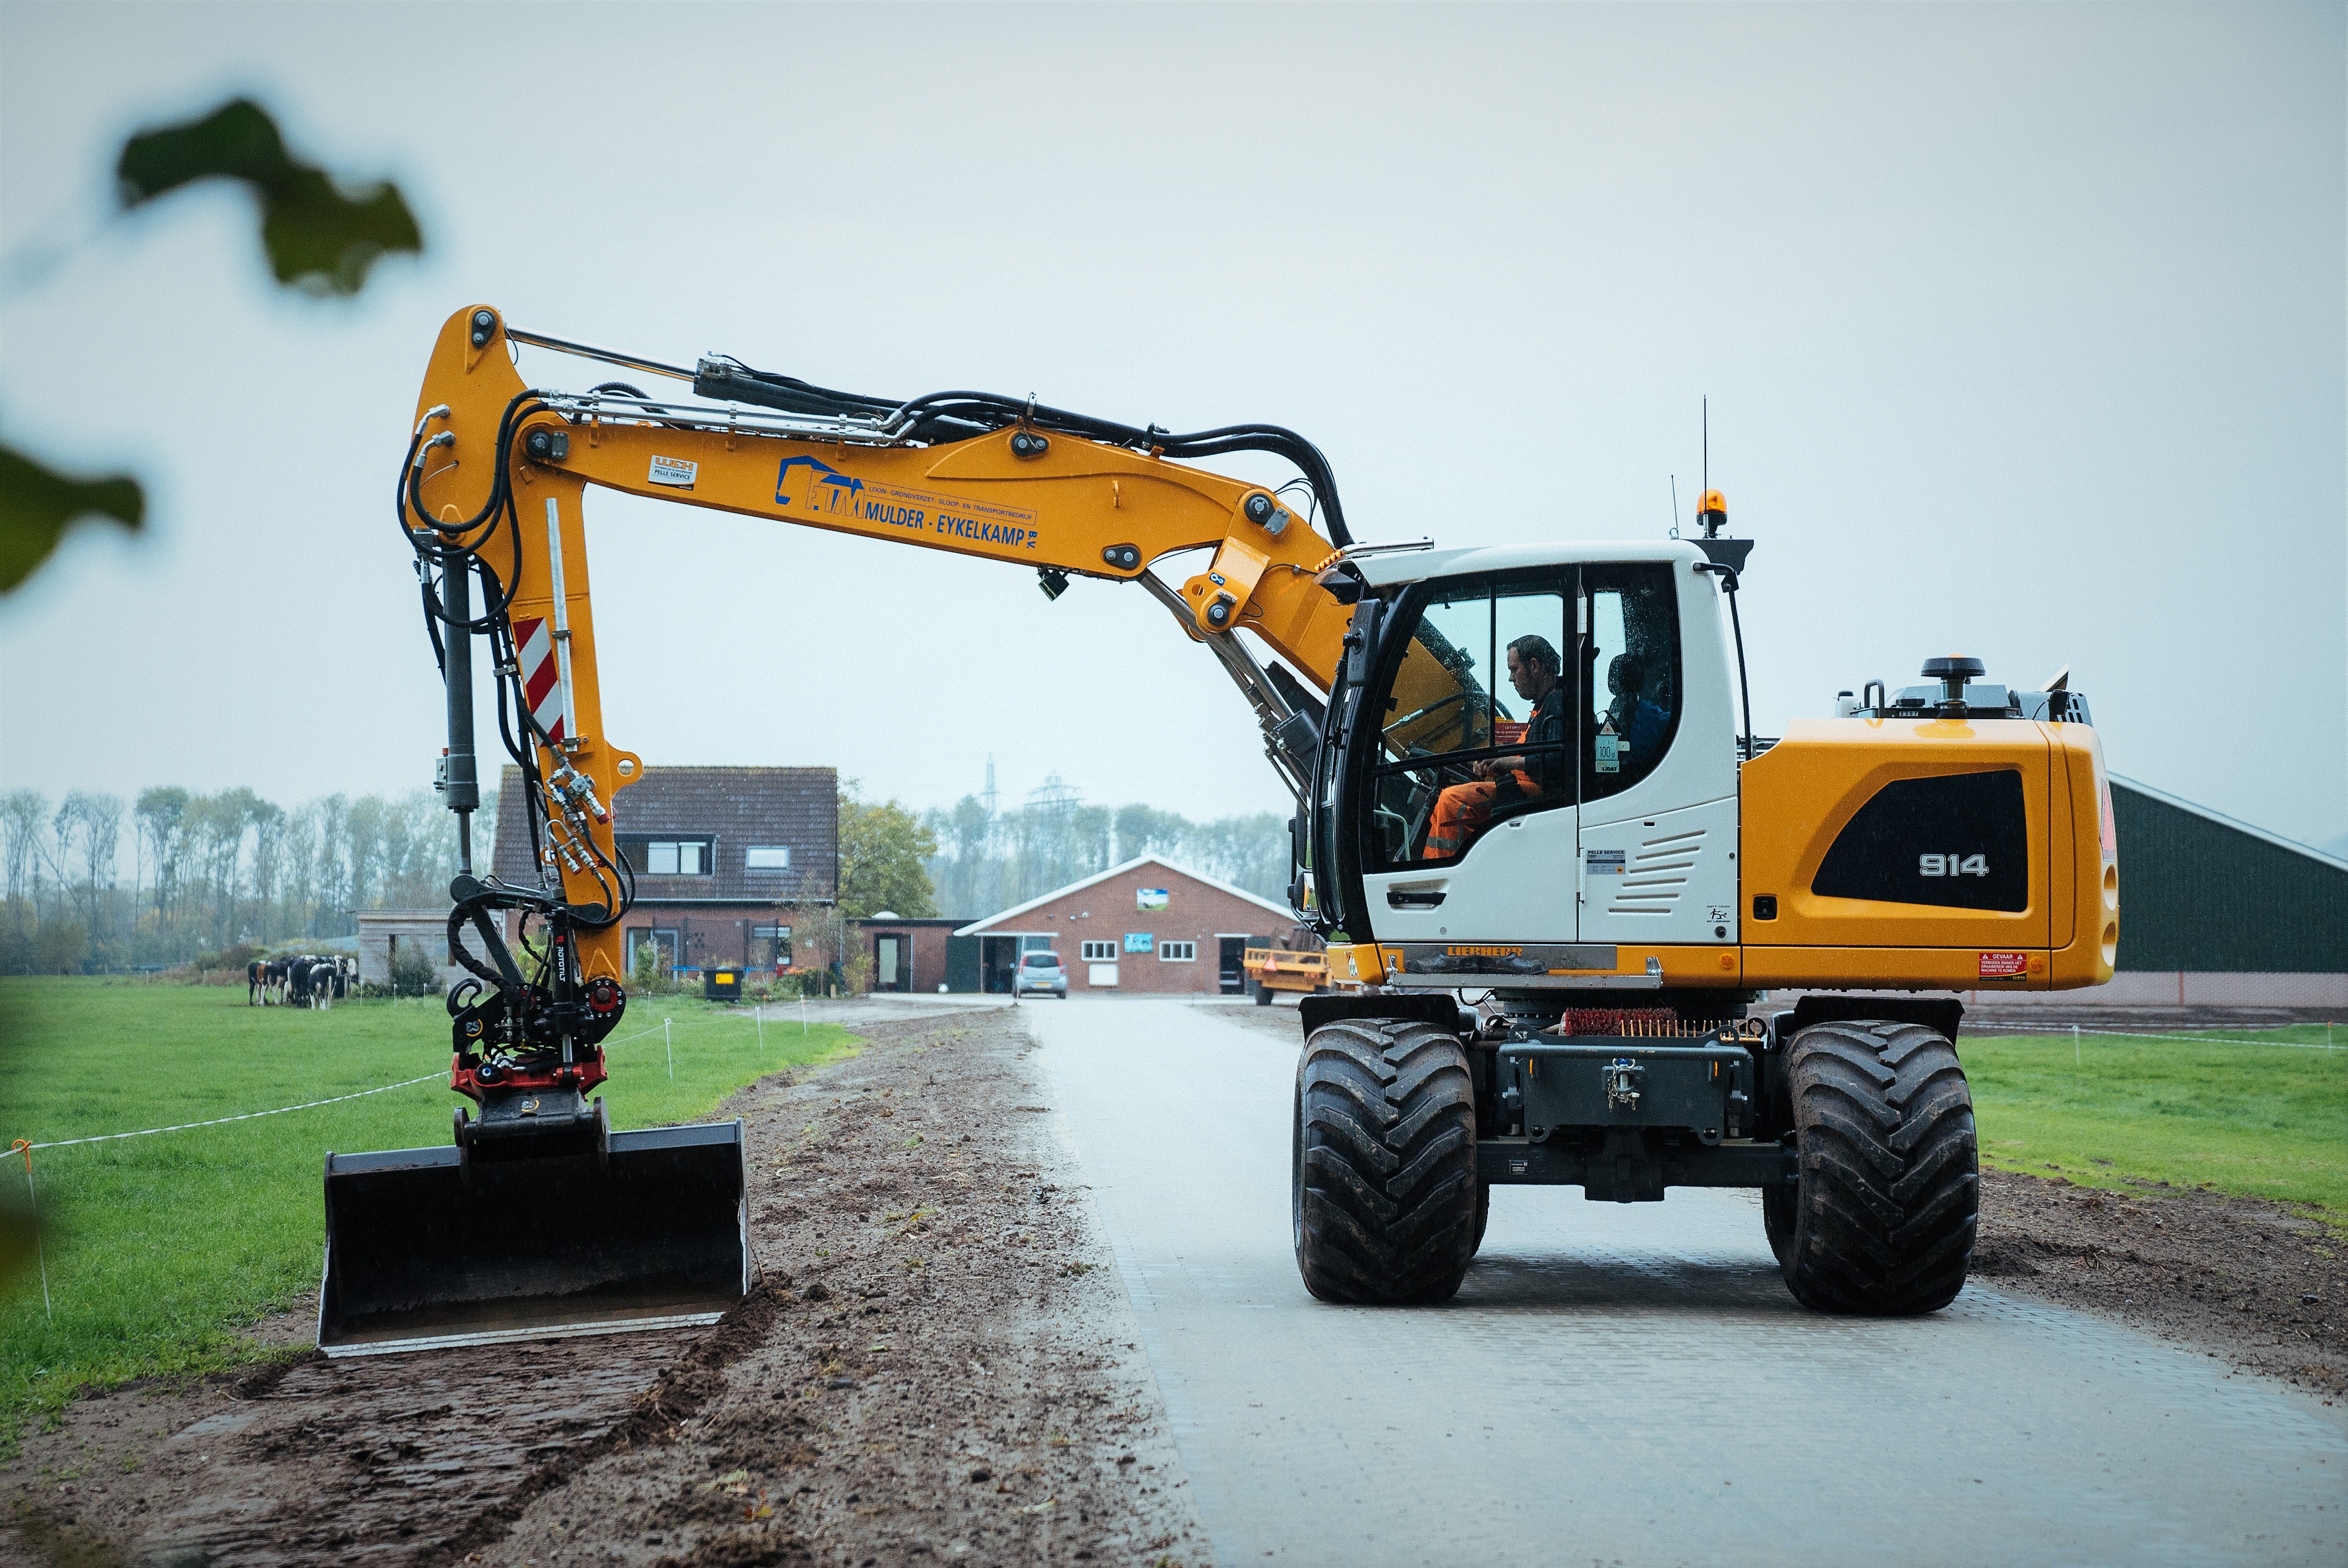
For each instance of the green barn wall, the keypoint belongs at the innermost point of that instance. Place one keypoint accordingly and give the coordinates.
(2199, 896)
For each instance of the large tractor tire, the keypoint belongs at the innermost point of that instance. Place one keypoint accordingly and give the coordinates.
(1483, 1212)
(1262, 994)
(1385, 1192)
(1882, 1222)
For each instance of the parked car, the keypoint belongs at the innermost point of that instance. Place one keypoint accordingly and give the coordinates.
(1040, 972)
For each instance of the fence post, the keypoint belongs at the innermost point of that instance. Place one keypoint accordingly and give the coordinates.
(2074, 1045)
(40, 1249)
(669, 1041)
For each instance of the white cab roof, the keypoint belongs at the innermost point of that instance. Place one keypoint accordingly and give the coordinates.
(1415, 566)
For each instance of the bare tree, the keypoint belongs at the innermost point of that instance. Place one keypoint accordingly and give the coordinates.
(161, 815)
(268, 863)
(91, 824)
(23, 814)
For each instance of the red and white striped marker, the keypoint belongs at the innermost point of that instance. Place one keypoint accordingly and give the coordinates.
(541, 673)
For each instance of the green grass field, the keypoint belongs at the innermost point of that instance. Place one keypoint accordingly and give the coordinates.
(2267, 1121)
(158, 1247)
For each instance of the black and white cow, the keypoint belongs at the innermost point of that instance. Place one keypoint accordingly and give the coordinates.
(311, 981)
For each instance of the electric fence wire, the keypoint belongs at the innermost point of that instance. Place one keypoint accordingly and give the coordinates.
(2211, 1040)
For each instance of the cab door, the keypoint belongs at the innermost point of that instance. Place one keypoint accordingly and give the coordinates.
(1658, 828)
(1467, 821)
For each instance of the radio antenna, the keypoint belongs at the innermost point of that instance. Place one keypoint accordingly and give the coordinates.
(1707, 441)
(1675, 505)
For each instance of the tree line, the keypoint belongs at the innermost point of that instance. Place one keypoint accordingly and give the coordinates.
(102, 883)
(96, 882)
(989, 859)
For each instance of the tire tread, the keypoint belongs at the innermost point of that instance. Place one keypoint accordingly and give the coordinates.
(1883, 1218)
(1386, 1200)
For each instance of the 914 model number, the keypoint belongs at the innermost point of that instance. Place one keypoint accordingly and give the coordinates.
(1952, 865)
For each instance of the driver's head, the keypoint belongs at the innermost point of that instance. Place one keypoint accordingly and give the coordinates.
(1627, 676)
(1533, 666)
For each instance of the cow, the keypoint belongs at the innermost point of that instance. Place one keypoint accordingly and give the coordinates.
(302, 980)
(330, 980)
(314, 981)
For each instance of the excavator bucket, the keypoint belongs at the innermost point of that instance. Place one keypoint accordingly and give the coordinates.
(467, 1246)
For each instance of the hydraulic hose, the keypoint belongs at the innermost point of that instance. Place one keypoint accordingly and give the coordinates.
(958, 416)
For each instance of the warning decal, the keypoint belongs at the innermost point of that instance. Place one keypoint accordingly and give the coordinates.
(2003, 966)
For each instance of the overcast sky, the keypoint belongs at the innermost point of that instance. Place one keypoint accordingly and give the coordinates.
(2023, 327)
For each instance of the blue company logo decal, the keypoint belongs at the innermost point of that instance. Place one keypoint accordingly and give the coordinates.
(827, 489)
(814, 489)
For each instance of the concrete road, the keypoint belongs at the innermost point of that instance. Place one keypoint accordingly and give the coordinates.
(1631, 1384)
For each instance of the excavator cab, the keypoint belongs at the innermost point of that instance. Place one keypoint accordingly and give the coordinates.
(1509, 729)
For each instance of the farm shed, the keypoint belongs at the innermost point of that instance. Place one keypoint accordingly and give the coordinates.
(386, 933)
(1147, 925)
(912, 955)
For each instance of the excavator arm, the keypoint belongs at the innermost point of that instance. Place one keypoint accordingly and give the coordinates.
(492, 491)
(542, 1218)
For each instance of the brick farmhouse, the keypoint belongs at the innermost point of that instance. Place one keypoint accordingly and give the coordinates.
(727, 860)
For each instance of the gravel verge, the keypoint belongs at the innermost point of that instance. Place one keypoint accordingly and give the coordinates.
(2255, 1283)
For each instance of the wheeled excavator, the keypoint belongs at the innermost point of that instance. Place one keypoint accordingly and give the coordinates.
(1553, 866)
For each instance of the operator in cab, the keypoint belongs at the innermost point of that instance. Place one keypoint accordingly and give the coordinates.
(1463, 810)
(1642, 723)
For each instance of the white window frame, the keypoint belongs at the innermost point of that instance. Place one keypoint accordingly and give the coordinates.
(1099, 952)
(705, 856)
(779, 853)
(1168, 952)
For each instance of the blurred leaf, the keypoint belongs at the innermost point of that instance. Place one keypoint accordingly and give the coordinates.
(38, 504)
(319, 237)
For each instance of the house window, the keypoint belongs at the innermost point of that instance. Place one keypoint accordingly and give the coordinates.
(766, 857)
(1100, 952)
(667, 857)
(780, 936)
(649, 945)
(1178, 952)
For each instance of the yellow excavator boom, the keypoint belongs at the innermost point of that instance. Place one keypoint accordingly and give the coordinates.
(500, 470)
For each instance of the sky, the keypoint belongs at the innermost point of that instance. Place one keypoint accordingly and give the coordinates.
(2022, 328)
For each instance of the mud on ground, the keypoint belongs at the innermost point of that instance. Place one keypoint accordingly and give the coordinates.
(938, 1366)
(2251, 1282)
(2258, 1284)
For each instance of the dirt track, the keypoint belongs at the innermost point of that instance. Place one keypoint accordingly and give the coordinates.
(938, 1366)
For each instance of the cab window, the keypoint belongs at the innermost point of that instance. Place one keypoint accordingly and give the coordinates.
(1478, 719)
(1631, 644)
(1439, 701)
